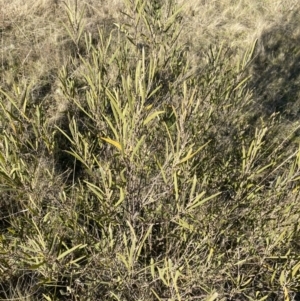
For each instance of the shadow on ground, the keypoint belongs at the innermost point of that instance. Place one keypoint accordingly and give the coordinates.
(276, 68)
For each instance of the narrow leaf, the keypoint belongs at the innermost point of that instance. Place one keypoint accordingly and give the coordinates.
(191, 155)
(152, 116)
(64, 254)
(199, 202)
(113, 142)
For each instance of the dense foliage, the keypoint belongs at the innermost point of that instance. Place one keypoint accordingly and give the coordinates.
(137, 168)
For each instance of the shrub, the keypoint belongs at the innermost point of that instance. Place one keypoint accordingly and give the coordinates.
(132, 173)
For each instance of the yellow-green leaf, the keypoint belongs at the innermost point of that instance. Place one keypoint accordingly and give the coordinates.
(152, 116)
(212, 297)
(197, 202)
(295, 269)
(191, 155)
(113, 142)
(64, 254)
